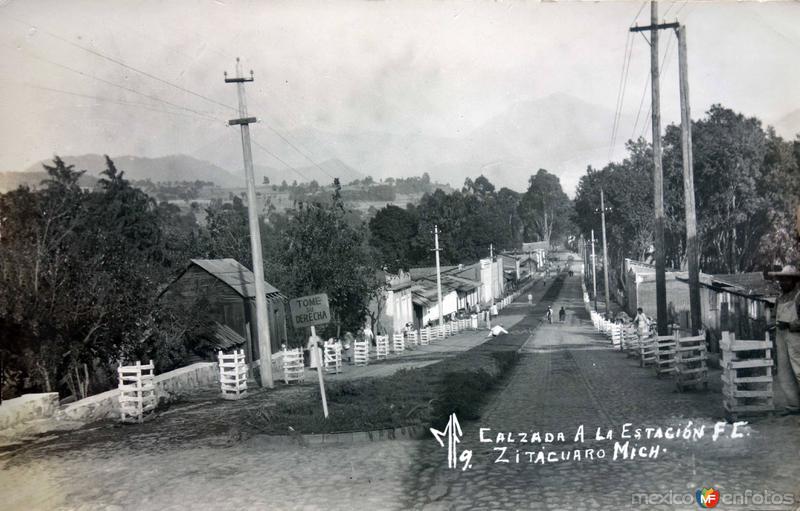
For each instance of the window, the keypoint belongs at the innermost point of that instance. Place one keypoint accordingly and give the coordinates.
(712, 300)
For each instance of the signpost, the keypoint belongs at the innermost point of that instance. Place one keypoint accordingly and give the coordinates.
(309, 311)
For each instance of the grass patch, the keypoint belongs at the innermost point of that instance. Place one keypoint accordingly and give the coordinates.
(420, 396)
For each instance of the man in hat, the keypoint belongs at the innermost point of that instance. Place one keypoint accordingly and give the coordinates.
(787, 339)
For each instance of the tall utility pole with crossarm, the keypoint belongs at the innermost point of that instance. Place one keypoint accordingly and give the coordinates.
(658, 175)
(605, 249)
(438, 278)
(262, 322)
(692, 253)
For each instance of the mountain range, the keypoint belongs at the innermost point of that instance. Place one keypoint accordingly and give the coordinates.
(560, 133)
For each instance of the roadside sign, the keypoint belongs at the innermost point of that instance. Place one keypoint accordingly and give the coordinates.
(310, 310)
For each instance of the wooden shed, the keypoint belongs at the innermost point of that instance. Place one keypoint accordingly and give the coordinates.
(229, 288)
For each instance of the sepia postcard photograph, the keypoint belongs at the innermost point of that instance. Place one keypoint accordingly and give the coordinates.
(399, 255)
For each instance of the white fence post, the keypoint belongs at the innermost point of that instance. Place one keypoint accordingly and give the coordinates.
(361, 353)
(690, 362)
(232, 375)
(333, 357)
(665, 353)
(425, 336)
(746, 375)
(137, 397)
(398, 342)
(293, 366)
(381, 346)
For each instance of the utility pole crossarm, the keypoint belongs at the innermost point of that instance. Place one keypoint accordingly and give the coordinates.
(659, 26)
(245, 120)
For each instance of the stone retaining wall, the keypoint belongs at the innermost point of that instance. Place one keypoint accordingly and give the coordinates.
(169, 387)
(26, 408)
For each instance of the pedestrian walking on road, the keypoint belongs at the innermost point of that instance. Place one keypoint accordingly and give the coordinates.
(530, 299)
(549, 314)
(562, 314)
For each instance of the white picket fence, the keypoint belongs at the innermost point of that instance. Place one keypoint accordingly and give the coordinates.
(137, 397)
(361, 353)
(425, 336)
(398, 342)
(381, 346)
(413, 337)
(293, 366)
(232, 374)
(616, 335)
(333, 357)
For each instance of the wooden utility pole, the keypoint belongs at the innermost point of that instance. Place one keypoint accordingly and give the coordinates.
(262, 321)
(692, 255)
(658, 176)
(605, 247)
(438, 276)
(594, 273)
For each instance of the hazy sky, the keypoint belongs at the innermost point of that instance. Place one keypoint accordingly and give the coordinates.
(412, 67)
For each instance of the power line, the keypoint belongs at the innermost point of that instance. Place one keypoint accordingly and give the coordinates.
(123, 87)
(613, 136)
(636, 18)
(126, 66)
(685, 3)
(116, 101)
(641, 105)
(661, 70)
(621, 92)
(673, 4)
(257, 144)
(167, 82)
(298, 150)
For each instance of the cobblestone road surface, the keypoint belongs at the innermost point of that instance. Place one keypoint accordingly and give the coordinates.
(567, 376)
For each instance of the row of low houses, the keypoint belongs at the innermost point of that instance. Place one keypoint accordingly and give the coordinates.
(741, 303)
(412, 297)
(228, 289)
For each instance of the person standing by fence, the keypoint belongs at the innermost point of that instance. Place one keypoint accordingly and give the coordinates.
(642, 323)
(787, 340)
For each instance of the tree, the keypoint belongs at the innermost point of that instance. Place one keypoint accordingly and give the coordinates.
(314, 249)
(729, 153)
(544, 208)
(86, 269)
(227, 233)
(393, 233)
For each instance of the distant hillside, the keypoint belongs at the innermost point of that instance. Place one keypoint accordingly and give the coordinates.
(788, 126)
(168, 168)
(323, 174)
(560, 133)
(13, 180)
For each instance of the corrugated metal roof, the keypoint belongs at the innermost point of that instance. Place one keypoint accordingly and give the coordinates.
(225, 337)
(239, 278)
(752, 283)
(418, 273)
